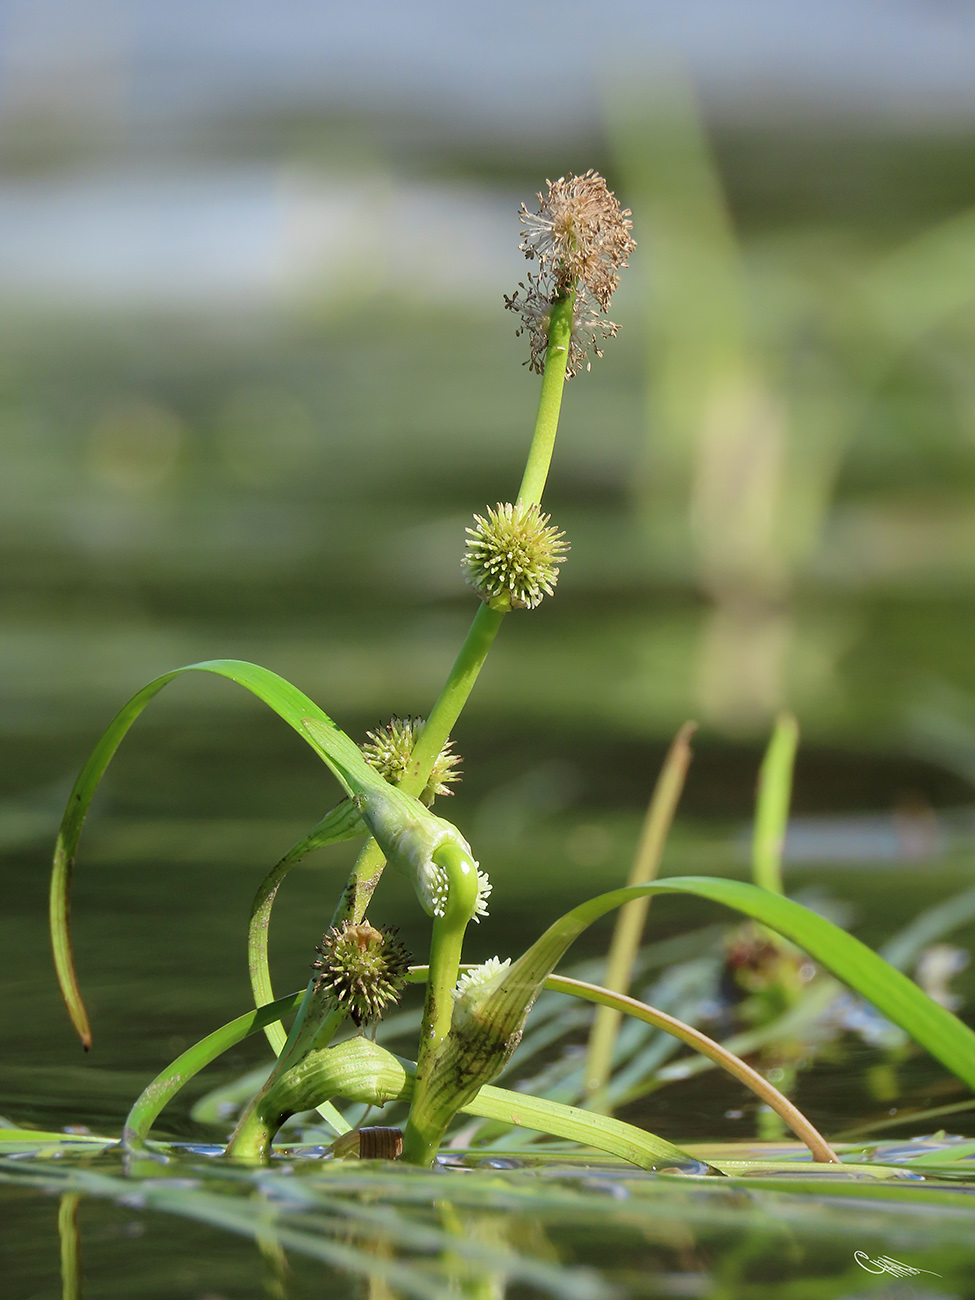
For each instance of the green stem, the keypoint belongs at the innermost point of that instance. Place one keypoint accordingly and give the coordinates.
(549, 402)
(480, 637)
(772, 808)
(632, 918)
(452, 698)
(487, 621)
(427, 1121)
(315, 1025)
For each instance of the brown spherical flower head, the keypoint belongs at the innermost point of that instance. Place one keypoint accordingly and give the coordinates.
(580, 237)
(580, 233)
(390, 747)
(364, 968)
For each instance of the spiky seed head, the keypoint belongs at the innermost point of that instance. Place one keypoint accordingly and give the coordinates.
(390, 748)
(364, 968)
(581, 238)
(512, 557)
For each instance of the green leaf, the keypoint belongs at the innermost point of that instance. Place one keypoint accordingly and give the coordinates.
(602, 1132)
(38, 1141)
(772, 807)
(342, 823)
(947, 1155)
(947, 1039)
(168, 1082)
(333, 746)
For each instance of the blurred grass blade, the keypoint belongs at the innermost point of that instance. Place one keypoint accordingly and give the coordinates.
(342, 823)
(332, 745)
(70, 1242)
(931, 277)
(385, 1239)
(934, 922)
(792, 1023)
(905, 1115)
(772, 807)
(632, 918)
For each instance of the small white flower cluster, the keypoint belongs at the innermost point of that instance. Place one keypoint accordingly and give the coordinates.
(410, 835)
(478, 978)
(433, 886)
(484, 888)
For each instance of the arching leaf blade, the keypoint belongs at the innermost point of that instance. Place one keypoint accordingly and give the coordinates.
(342, 823)
(932, 1026)
(333, 746)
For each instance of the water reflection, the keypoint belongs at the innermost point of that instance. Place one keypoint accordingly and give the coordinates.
(552, 1229)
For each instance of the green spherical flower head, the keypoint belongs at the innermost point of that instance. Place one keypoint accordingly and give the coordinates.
(364, 968)
(512, 558)
(390, 748)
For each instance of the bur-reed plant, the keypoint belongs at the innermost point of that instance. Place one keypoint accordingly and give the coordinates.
(579, 240)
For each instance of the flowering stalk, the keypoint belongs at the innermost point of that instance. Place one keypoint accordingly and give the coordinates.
(427, 1120)
(549, 401)
(580, 238)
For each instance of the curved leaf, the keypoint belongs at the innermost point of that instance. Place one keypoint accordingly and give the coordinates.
(333, 746)
(342, 823)
(715, 1052)
(947, 1039)
(151, 1101)
(602, 1132)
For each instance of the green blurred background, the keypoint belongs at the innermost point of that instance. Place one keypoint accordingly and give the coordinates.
(255, 375)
